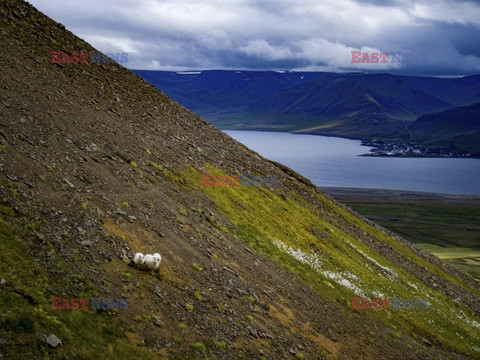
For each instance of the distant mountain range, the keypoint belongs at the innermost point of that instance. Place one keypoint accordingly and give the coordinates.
(353, 105)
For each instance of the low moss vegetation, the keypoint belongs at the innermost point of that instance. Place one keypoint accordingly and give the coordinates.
(198, 296)
(26, 305)
(305, 240)
(221, 345)
(336, 264)
(198, 346)
(448, 230)
(197, 267)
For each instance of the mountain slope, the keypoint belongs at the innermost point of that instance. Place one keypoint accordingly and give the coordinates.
(96, 164)
(216, 90)
(354, 105)
(456, 91)
(458, 127)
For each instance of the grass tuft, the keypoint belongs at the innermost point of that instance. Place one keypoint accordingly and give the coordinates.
(197, 267)
(198, 346)
(221, 345)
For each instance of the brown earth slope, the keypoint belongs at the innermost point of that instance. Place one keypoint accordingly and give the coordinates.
(97, 164)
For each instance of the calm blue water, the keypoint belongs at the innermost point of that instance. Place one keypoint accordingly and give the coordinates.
(330, 161)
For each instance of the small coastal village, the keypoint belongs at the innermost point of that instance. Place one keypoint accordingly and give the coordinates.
(409, 149)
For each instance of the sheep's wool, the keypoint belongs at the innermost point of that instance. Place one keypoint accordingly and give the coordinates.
(147, 261)
(138, 258)
(157, 259)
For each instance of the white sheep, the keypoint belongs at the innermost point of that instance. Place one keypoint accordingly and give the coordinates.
(157, 259)
(147, 261)
(138, 258)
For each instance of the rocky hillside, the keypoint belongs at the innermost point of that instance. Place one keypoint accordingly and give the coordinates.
(96, 164)
(458, 128)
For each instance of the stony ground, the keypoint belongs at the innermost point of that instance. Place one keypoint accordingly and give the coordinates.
(90, 156)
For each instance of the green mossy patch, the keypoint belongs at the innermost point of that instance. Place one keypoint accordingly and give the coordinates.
(27, 310)
(337, 265)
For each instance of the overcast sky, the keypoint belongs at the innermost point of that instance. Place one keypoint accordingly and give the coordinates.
(278, 34)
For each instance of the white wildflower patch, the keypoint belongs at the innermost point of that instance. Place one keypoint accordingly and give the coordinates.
(310, 259)
(350, 276)
(413, 286)
(389, 272)
(369, 268)
(378, 294)
(470, 322)
(340, 279)
(345, 278)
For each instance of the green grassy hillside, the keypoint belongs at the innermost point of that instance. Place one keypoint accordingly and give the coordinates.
(444, 225)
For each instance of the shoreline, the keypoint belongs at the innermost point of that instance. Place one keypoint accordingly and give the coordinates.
(362, 140)
(421, 156)
(445, 225)
(399, 195)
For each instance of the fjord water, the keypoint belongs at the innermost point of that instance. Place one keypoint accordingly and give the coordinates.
(331, 161)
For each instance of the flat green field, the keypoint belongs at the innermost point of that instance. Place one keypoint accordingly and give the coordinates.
(447, 226)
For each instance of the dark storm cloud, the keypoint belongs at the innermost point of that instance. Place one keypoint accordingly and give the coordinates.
(285, 34)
